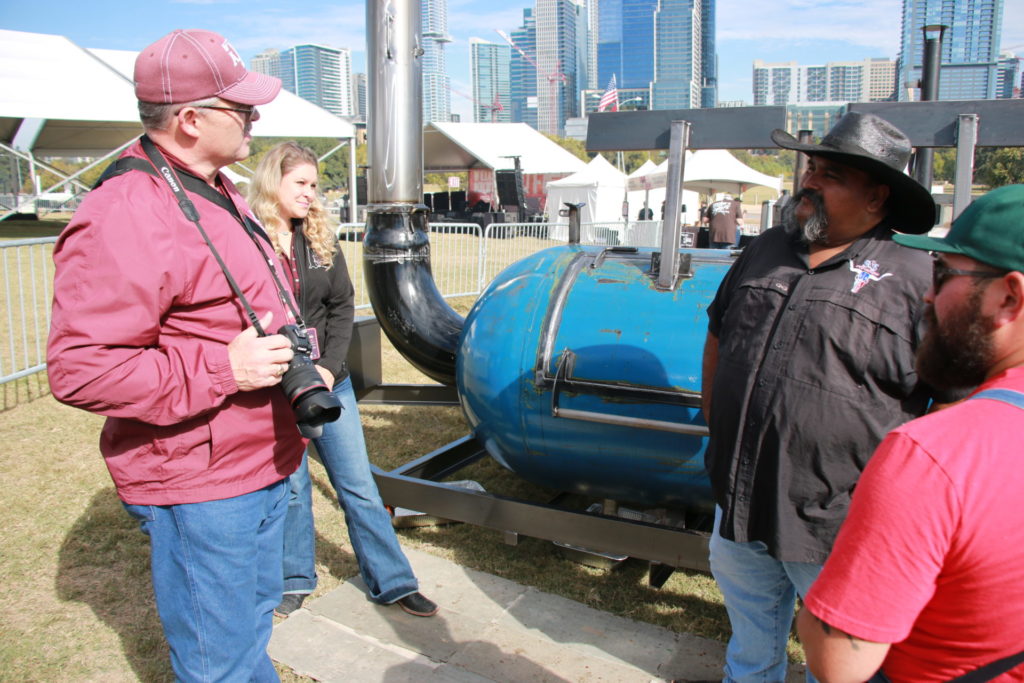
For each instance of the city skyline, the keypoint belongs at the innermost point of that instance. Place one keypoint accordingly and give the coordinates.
(787, 30)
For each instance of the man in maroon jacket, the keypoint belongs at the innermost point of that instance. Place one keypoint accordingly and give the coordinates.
(147, 331)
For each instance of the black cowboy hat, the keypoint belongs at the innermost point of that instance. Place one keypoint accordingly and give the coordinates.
(874, 145)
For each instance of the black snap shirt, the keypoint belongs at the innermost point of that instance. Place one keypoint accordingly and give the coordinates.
(815, 365)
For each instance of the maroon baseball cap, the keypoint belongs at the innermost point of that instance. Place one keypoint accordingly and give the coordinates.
(190, 65)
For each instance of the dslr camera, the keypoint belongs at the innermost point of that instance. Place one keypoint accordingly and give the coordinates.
(311, 399)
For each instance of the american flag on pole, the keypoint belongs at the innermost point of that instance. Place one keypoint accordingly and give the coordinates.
(610, 98)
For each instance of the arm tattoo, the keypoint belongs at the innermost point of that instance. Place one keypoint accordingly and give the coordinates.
(827, 628)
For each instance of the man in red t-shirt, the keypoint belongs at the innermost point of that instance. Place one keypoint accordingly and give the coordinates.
(926, 579)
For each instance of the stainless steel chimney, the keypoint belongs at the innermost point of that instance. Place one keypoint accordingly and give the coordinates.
(396, 248)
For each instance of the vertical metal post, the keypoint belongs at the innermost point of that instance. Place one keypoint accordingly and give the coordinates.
(966, 140)
(574, 223)
(671, 229)
(804, 136)
(353, 184)
(932, 62)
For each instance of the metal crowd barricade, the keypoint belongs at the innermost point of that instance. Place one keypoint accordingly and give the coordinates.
(25, 314)
(456, 258)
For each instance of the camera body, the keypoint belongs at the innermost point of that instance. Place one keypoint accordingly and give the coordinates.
(310, 398)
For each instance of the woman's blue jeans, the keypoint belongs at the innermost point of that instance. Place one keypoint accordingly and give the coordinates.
(215, 579)
(342, 451)
(760, 597)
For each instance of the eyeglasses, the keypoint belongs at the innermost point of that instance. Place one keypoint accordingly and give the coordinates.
(247, 113)
(941, 273)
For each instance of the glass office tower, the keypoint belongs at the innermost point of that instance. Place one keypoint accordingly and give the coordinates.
(437, 98)
(489, 70)
(970, 47)
(678, 76)
(523, 73)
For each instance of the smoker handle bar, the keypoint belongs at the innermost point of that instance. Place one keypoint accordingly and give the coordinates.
(564, 362)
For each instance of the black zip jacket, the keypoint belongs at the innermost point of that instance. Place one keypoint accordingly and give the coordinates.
(327, 302)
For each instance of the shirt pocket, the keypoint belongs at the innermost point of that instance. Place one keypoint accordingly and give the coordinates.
(853, 346)
(748, 320)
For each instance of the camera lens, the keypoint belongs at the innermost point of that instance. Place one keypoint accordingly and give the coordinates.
(310, 398)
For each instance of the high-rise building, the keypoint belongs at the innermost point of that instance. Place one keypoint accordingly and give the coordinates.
(709, 56)
(437, 98)
(678, 74)
(489, 71)
(523, 73)
(267, 62)
(628, 47)
(359, 96)
(317, 73)
(868, 80)
(970, 47)
(625, 43)
(1010, 83)
(323, 75)
(561, 62)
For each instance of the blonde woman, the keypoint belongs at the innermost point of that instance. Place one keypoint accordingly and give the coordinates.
(283, 196)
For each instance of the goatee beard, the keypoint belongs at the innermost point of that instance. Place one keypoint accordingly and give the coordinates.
(957, 353)
(815, 228)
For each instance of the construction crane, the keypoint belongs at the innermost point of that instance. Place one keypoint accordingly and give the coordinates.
(554, 79)
(494, 107)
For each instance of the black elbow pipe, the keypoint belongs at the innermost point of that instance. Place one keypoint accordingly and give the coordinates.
(402, 291)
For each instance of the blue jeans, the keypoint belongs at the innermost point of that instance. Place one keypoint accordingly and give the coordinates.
(342, 451)
(215, 577)
(760, 596)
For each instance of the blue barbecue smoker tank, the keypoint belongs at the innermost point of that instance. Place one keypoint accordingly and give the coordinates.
(581, 330)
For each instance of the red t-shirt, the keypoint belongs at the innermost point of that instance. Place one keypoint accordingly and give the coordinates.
(931, 556)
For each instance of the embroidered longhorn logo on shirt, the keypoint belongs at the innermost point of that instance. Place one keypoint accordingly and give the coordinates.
(865, 273)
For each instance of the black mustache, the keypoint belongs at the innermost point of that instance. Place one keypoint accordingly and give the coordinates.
(810, 194)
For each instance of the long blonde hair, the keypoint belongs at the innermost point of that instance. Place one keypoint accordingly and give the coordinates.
(263, 192)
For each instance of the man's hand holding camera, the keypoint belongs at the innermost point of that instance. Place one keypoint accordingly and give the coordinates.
(256, 361)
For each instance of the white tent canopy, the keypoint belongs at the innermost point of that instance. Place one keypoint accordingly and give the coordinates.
(716, 170)
(709, 171)
(600, 187)
(461, 146)
(642, 187)
(59, 99)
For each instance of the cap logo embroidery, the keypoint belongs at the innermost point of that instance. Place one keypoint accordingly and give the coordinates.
(235, 59)
(865, 273)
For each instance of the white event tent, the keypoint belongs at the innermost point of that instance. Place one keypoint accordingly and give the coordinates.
(708, 171)
(600, 187)
(647, 184)
(59, 99)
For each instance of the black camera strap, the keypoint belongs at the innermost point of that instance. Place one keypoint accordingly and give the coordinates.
(178, 182)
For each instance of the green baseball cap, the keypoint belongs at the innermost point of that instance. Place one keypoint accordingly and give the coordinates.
(990, 230)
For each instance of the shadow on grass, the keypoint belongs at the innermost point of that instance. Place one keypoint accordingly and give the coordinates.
(104, 563)
(24, 390)
(27, 229)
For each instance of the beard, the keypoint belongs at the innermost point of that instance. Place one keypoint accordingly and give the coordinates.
(957, 353)
(814, 229)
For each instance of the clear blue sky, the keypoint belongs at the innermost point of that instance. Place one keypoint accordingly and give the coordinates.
(805, 31)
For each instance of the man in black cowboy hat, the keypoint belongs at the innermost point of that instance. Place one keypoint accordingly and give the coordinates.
(809, 361)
